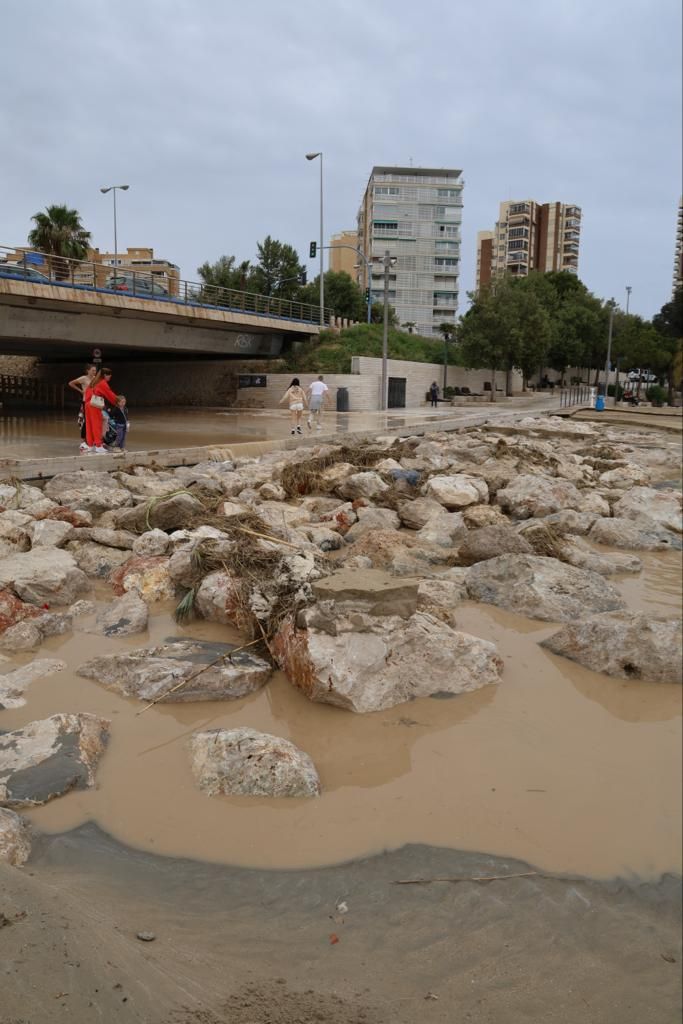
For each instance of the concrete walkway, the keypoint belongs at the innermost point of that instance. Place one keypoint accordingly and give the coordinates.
(44, 454)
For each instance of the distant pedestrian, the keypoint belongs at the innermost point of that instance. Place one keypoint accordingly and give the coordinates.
(295, 396)
(119, 417)
(79, 384)
(317, 394)
(95, 398)
(434, 394)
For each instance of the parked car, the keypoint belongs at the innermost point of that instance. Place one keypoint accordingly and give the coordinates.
(642, 375)
(136, 284)
(20, 272)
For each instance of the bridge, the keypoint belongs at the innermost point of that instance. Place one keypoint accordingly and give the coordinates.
(67, 308)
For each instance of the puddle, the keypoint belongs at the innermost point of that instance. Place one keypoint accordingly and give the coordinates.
(557, 766)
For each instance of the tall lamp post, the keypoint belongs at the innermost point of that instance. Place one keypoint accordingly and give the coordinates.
(113, 189)
(312, 156)
(611, 305)
(629, 289)
(446, 339)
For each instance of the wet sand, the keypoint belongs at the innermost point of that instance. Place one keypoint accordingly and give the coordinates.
(558, 766)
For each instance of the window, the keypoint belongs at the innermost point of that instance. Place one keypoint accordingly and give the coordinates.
(444, 261)
(445, 211)
(519, 208)
(386, 225)
(518, 243)
(447, 246)
(447, 193)
(385, 190)
(518, 233)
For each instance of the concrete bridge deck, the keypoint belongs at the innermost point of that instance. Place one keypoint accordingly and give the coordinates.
(50, 319)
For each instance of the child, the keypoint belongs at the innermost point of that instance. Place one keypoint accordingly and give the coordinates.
(119, 416)
(296, 398)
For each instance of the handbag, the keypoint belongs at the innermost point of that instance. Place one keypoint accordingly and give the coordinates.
(97, 402)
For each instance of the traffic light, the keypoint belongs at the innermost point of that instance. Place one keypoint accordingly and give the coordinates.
(303, 276)
(312, 250)
(367, 294)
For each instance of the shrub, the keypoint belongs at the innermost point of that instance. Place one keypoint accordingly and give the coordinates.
(610, 392)
(656, 394)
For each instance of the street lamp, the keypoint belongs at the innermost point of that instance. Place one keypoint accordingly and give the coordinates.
(312, 156)
(629, 289)
(113, 188)
(612, 305)
(388, 262)
(446, 339)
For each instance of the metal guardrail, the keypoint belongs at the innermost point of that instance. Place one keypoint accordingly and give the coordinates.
(42, 268)
(575, 395)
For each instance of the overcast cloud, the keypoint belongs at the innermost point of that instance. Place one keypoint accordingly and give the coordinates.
(207, 107)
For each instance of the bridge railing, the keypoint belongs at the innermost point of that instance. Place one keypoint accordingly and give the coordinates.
(42, 268)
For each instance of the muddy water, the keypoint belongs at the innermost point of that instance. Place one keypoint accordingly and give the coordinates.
(559, 766)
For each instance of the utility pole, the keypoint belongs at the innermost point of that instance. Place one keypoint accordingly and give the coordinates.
(629, 289)
(446, 339)
(609, 344)
(385, 332)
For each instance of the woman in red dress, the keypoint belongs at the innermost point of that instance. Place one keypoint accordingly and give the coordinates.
(99, 388)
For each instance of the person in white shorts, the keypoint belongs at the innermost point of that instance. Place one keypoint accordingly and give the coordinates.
(295, 396)
(317, 392)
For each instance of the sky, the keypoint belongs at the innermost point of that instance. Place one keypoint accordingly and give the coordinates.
(208, 107)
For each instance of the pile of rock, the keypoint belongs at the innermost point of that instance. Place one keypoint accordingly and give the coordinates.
(363, 557)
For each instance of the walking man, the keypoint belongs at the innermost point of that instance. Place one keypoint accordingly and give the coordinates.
(317, 392)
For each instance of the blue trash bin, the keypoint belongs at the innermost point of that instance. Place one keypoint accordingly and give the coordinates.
(600, 403)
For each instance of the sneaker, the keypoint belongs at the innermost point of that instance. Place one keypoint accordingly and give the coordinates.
(292, 431)
(85, 448)
(309, 424)
(299, 430)
(99, 450)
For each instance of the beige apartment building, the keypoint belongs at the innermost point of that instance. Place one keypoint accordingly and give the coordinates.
(415, 213)
(341, 256)
(529, 236)
(678, 252)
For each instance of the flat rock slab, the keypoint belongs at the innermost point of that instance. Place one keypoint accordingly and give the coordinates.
(633, 535)
(15, 838)
(150, 672)
(489, 542)
(14, 684)
(541, 588)
(91, 491)
(245, 762)
(627, 644)
(50, 757)
(375, 591)
(369, 663)
(43, 576)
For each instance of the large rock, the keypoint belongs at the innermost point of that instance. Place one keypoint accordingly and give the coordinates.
(150, 672)
(243, 762)
(370, 519)
(25, 636)
(148, 576)
(94, 492)
(575, 551)
(541, 588)
(44, 576)
(18, 495)
(370, 591)
(12, 610)
(96, 560)
(445, 530)
(15, 838)
(219, 599)
(491, 541)
(154, 542)
(528, 496)
(367, 484)
(13, 685)
(50, 533)
(108, 536)
(124, 617)
(647, 505)
(626, 644)
(172, 513)
(476, 516)
(13, 538)
(571, 521)
(633, 535)
(439, 598)
(457, 491)
(625, 476)
(50, 757)
(417, 513)
(399, 552)
(370, 663)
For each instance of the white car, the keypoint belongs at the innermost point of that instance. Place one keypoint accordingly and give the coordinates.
(642, 375)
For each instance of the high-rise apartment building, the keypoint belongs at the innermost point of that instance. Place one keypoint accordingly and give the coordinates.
(342, 255)
(415, 214)
(529, 236)
(678, 252)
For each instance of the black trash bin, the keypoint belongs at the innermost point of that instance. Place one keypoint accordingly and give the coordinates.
(342, 399)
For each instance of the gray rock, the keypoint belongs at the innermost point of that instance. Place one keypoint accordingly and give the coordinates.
(50, 533)
(154, 542)
(445, 531)
(108, 536)
(371, 663)
(541, 588)
(96, 560)
(322, 537)
(19, 495)
(372, 519)
(372, 591)
(439, 598)
(528, 496)
(476, 516)
(367, 484)
(15, 838)
(14, 684)
(647, 505)
(571, 521)
(13, 538)
(92, 491)
(577, 552)
(491, 541)
(81, 609)
(632, 535)
(22, 637)
(166, 514)
(244, 762)
(128, 615)
(417, 513)
(44, 576)
(150, 672)
(50, 757)
(627, 644)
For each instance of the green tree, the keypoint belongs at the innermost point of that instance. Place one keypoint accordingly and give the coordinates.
(59, 233)
(377, 314)
(342, 295)
(668, 324)
(225, 273)
(278, 271)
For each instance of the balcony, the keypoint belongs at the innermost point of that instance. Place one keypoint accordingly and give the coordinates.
(572, 211)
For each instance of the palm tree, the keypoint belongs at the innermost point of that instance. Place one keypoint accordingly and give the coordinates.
(58, 232)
